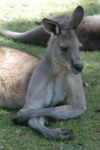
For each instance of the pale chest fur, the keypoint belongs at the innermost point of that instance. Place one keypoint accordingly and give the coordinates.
(55, 90)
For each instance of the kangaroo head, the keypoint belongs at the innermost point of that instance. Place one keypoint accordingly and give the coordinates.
(64, 45)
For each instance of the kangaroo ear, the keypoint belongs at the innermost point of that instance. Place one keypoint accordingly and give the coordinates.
(51, 26)
(77, 17)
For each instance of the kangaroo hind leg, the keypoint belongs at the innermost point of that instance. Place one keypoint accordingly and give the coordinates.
(55, 134)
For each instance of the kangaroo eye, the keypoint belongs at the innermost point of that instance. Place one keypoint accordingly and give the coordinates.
(64, 48)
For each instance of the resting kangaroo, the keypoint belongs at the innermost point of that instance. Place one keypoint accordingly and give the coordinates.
(88, 33)
(55, 79)
(15, 71)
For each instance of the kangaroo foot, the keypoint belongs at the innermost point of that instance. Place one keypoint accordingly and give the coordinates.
(60, 134)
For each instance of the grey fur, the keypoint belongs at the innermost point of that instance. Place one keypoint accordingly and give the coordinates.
(56, 79)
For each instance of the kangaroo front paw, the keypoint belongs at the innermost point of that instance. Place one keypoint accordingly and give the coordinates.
(18, 120)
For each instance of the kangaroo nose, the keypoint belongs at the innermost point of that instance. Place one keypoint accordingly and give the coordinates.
(79, 66)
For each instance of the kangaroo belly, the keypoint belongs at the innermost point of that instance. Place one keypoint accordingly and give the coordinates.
(56, 90)
(59, 92)
(15, 71)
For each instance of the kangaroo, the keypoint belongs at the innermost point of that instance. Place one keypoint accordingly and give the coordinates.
(56, 79)
(15, 71)
(88, 33)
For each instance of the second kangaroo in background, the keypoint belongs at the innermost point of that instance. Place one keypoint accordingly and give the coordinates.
(88, 33)
(56, 79)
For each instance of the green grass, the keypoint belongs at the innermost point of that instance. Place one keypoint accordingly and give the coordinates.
(19, 15)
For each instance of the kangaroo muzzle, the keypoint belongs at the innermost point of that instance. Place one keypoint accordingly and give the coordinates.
(79, 67)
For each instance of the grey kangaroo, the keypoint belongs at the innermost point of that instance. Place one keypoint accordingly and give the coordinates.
(88, 33)
(54, 80)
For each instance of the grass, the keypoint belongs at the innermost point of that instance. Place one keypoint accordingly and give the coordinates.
(19, 15)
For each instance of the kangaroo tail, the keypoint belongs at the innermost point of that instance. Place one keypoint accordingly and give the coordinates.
(36, 36)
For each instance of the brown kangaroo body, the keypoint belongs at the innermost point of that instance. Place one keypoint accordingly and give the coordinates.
(88, 33)
(55, 79)
(15, 71)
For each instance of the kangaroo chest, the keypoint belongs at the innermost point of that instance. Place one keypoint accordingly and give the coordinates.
(56, 90)
(48, 93)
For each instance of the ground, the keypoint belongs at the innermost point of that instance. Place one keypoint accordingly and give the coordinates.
(19, 15)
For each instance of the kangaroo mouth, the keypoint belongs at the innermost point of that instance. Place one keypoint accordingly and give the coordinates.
(75, 71)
